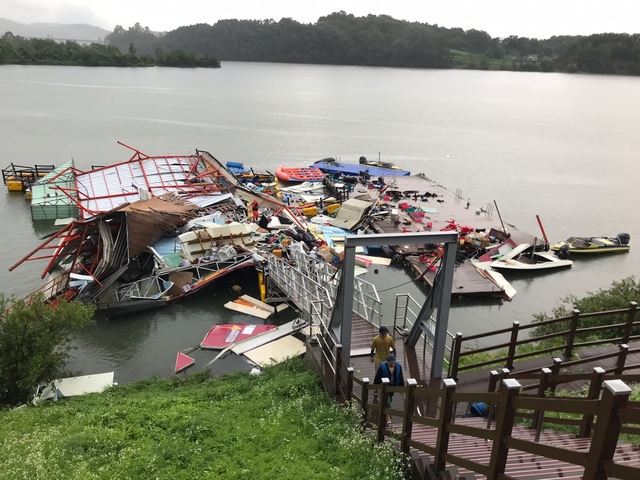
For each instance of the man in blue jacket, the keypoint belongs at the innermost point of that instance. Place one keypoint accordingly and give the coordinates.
(393, 371)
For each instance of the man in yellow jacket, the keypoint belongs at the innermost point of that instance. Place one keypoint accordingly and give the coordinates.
(381, 347)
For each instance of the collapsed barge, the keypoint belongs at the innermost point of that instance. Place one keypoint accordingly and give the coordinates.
(154, 230)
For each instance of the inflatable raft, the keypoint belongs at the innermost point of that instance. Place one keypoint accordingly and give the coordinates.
(299, 174)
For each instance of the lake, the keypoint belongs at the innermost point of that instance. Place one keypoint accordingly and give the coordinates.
(562, 146)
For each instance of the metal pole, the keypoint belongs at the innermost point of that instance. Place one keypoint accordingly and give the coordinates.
(346, 300)
(443, 300)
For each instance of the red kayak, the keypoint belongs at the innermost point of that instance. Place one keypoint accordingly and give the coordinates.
(299, 174)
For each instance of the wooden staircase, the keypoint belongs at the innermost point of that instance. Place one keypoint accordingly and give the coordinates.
(520, 465)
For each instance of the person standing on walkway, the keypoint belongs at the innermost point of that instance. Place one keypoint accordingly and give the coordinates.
(381, 347)
(255, 211)
(393, 371)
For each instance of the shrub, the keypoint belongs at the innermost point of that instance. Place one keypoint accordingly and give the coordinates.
(35, 343)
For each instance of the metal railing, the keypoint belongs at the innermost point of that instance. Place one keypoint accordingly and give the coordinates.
(307, 280)
(405, 316)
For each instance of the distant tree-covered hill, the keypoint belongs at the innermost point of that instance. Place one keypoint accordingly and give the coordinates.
(57, 31)
(611, 53)
(343, 39)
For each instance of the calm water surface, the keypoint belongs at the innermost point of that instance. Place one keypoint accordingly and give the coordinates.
(561, 146)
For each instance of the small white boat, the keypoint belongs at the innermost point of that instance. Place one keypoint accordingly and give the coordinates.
(525, 258)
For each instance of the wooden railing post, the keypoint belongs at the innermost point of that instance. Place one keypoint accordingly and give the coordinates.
(365, 400)
(512, 344)
(497, 379)
(455, 356)
(571, 336)
(594, 393)
(509, 389)
(538, 415)
(622, 358)
(555, 370)
(626, 334)
(615, 395)
(407, 418)
(446, 413)
(493, 381)
(338, 368)
(382, 407)
(349, 394)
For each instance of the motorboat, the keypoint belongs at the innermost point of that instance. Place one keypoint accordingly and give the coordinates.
(525, 257)
(604, 244)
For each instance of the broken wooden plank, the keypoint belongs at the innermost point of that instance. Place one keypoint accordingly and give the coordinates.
(255, 311)
(277, 351)
(257, 303)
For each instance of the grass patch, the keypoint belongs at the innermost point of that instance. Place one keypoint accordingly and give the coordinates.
(277, 425)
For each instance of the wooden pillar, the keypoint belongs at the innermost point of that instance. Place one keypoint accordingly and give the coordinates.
(446, 413)
(538, 415)
(349, 394)
(455, 357)
(509, 389)
(629, 324)
(615, 396)
(407, 420)
(365, 400)
(571, 337)
(382, 408)
(595, 386)
(512, 344)
(555, 370)
(622, 358)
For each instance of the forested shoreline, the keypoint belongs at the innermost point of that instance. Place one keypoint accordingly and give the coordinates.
(35, 51)
(336, 39)
(380, 40)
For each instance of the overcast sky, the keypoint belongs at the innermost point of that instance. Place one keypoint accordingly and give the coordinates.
(500, 18)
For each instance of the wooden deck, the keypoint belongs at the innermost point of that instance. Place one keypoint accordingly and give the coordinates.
(447, 208)
(467, 281)
(443, 207)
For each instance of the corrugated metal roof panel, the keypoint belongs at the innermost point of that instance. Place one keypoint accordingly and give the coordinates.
(106, 188)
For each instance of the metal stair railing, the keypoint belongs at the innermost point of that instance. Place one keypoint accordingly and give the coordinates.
(304, 291)
(310, 281)
(405, 316)
(366, 301)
